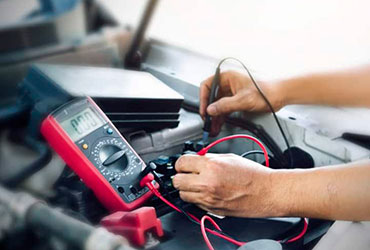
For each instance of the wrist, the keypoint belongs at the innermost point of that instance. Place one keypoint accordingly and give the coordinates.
(278, 95)
(281, 193)
(289, 90)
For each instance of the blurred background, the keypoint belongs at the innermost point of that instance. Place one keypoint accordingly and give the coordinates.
(276, 38)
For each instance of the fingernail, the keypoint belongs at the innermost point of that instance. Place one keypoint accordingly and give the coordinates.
(211, 109)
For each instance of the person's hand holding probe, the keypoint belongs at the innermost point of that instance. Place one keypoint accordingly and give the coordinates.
(231, 185)
(236, 93)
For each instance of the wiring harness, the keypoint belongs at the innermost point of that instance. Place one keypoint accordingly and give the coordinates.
(148, 179)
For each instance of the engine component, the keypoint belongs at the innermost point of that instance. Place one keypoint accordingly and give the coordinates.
(134, 225)
(36, 215)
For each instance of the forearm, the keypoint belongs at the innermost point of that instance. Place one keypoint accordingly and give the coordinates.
(334, 192)
(345, 88)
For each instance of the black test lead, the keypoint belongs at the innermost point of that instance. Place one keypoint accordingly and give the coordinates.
(211, 98)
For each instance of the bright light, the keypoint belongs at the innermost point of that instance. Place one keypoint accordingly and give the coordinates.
(275, 38)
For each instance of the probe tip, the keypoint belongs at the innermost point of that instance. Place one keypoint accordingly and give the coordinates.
(205, 137)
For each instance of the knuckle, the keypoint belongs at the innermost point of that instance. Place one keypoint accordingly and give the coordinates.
(212, 188)
(213, 165)
(202, 187)
(229, 73)
(203, 84)
(180, 162)
(208, 201)
(218, 106)
(209, 166)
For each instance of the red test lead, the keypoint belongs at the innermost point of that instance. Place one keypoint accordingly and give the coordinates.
(148, 181)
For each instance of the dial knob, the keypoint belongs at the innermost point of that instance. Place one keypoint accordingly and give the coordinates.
(113, 157)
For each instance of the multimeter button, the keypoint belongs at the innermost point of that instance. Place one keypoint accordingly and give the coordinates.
(114, 157)
(133, 190)
(85, 146)
(109, 131)
(121, 190)
(131, 197)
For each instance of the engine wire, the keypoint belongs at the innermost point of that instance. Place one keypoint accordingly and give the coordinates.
(267, 102)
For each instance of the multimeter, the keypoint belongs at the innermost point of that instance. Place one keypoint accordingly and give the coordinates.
(83, 136)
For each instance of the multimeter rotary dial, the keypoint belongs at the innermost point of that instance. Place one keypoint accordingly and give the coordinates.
(113, 159)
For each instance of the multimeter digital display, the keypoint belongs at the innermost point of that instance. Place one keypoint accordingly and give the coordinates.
(82, 124)
(94, 149)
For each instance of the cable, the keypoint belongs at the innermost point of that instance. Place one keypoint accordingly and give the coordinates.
(262, 95)
(190, 217)
(147, 182)
(218, 234)
(211, 98)
(203, 230)
(26, 171)
(264, 151)
(254, 152)
(303, 232)
(11, 114)
(204, 150)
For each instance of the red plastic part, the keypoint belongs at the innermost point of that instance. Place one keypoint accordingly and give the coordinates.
(81, 165)
(148, 178)
(134, 225)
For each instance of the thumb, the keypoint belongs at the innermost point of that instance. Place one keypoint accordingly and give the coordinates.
(225, 105)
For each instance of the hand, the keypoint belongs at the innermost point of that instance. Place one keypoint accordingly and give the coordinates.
(236, 93)
(225, 184)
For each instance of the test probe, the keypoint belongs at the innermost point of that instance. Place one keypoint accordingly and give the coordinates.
(213, 95)
(211, 99)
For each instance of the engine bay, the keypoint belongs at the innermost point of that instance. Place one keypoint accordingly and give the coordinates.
(92, 125)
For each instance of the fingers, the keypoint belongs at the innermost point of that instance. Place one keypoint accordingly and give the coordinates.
(191, 197)
(204, 90)
(225, 105)
(190, 164)
(199, 200)
(187, 182)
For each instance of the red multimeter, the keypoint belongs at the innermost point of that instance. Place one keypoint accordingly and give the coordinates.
(94, 149)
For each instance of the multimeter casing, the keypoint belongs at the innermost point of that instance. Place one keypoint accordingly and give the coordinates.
(116, 188)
